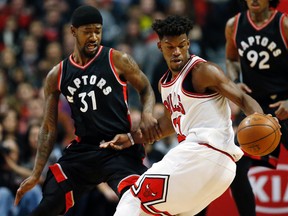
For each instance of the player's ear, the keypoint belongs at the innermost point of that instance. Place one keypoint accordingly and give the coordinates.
(159, 46)
(72, 28)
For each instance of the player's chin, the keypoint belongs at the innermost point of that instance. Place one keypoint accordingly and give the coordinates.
(90, 53)
(176, 68)
(177, 65)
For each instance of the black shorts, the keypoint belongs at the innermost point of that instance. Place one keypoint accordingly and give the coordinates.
(83, 166)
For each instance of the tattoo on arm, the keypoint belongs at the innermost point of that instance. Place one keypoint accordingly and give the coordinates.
(48, 131)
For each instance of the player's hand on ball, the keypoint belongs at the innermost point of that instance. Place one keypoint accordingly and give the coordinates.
(275, 119)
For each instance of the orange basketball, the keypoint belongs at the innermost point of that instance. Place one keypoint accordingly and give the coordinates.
(258, 134)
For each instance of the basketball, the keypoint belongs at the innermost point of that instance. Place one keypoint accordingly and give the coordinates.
(258, 134)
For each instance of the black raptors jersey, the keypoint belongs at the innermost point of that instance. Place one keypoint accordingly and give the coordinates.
(263, 56)
(96, 95)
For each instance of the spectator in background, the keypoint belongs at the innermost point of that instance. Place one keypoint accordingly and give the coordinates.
(53, 22)
(67, 40)
(4, 95)
(29, 57)
(10, 36)
(9, 64)
(23, 13)
(53, 55)
(24, 93)
(213, 37)
(256, 60)
(37, 32)
(15, 172)
(147, 8)
(10, 123)
(8, 185)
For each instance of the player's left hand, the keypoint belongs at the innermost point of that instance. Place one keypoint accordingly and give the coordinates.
(25, 186)
(282, 109)
(150, 128)
(119, 142)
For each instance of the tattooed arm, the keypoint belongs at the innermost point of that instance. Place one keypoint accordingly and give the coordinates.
(128, 69)
(47, 133)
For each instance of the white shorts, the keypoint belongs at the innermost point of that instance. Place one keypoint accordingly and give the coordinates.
(185, 181)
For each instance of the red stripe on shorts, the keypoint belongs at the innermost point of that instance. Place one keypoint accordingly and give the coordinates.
(69, 200)
(209, 146)
(58, 172)
(60, 176)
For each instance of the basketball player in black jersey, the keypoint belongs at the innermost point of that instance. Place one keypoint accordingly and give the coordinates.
(257, 60)
(93, 79)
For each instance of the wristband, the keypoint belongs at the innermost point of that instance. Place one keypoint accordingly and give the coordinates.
(131, 138)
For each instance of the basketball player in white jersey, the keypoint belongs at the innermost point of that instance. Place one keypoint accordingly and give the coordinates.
(201, 168)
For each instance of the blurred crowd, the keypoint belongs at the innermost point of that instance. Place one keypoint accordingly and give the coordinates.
(35, 36)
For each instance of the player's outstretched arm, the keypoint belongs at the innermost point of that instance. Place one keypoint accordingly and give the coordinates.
(209, 76)
(128, 69)
(122, 141)
(47, 133)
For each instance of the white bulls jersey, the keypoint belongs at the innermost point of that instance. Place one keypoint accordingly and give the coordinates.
(203, 118)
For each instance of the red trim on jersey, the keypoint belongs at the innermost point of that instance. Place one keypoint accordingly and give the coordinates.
(113, 67)
(282, 30)
(58, 172)
(194, 94)
(69, 200)
(127, 182)
(209, 146)
(88, 63)
(199, 95)
(78, 139)
(163, 77)
(125, 94)
(236, 28)
(264, 24)
(187, 65)
(59, 75)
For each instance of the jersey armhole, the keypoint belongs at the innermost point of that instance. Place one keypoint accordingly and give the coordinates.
(235, 28)
(282, 30)
(60, 75)
(113, 68)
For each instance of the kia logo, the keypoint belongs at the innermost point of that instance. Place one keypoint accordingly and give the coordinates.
(270, 187)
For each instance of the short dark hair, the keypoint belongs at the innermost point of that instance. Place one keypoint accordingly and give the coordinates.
(272, 3)
(172, 26)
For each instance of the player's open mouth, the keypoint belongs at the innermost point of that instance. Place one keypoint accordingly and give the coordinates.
(255, 5)
(91, 47)
(176, 61)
